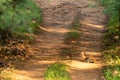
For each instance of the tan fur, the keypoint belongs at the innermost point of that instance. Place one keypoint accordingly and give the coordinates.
(84, 58)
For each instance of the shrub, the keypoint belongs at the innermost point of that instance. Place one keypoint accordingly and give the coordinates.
(23, 18)
(57, 71)
(112, 40)
(112, 9)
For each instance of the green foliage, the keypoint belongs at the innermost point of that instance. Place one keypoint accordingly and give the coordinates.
(18, 18)
(73, 35)
(112, 73)
(112, 40)
(112, 56)
(112, 62)
(112, 9)
(57, 71)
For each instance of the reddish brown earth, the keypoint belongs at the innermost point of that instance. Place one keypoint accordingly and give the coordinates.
(58, 15)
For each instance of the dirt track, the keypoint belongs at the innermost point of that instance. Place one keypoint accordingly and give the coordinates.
(58, 16)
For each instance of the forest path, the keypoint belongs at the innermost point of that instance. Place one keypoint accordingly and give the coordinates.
(58, 15)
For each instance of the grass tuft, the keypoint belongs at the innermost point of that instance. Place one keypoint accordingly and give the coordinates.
(57, 71)
(73, 35)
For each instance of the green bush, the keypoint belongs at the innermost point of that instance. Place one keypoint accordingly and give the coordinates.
(57, 71)
(112, 72)
(112, 40)
(18, 18)
(112, 10)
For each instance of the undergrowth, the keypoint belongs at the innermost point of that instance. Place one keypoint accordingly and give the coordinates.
(57, 71)
(111, 54)
(73, 35)
(19, 19)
